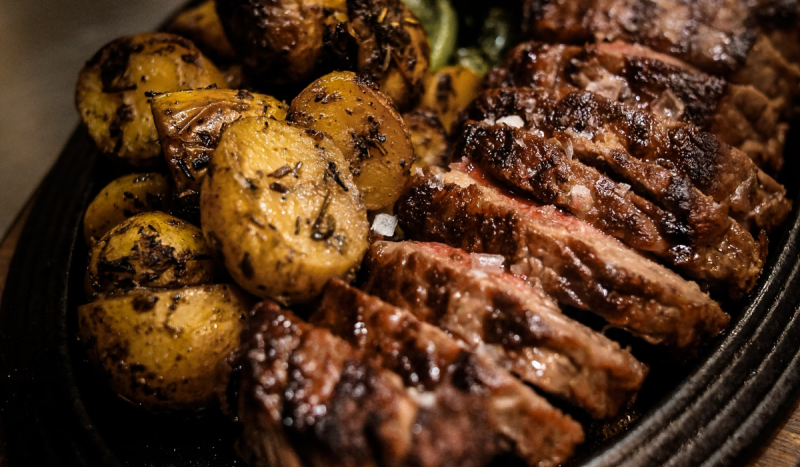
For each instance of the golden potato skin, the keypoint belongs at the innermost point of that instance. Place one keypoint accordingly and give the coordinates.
(201, 25)
(123, 198)
(449, 91)
(161, 349)
(366, 128)
(393, 48)
(281, 211)
(149, 250)
(279, 41)
(428, 138)
(190, 124)
(115, 88)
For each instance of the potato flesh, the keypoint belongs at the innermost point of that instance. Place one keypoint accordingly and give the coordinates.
(190, 124)
(149, 250)
(428, 138)
(113, 92)
(448, 92)
(162, 349)
(280, 209)
(123, 198)
(202, 26)
(365, 127)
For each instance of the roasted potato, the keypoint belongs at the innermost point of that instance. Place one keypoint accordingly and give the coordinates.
(428, 138)
(366, 128)
(448, 92)
(115, 88)
(393, 48)
(280, 209)
(123, 198)
(161, 349)
(189, 125)
(279, 41)
(201, 25)
(149, 250)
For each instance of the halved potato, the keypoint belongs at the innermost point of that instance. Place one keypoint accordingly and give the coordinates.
(162, 349)
(201, 25)
(149, 250)
(123, 198)
(190, 123)
(428, 138)
(115, 88)
(449, 91)
(366, 128)
(280, 209)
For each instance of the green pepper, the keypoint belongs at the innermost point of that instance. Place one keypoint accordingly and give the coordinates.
(441, 25)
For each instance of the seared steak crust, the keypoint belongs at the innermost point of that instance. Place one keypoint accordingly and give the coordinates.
(739, 115)
(442, 370)
(309, 399)
(519, 325)
(576, 263)
(528, 162)
(686, 171)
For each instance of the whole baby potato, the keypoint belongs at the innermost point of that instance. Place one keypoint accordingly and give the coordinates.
(115, 88)
(123, 198)
(280, 209)
(163, 349)
(149, 250)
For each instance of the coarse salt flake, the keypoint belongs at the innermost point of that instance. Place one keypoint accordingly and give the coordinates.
(489, 263)
(385, 224)
(514, 121)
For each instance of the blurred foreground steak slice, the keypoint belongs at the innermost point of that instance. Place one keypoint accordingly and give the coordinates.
(309, 399)
(519, 325)
(576, 263)
(529, 163)
(491, 405)
(688, 172)
(739, 115)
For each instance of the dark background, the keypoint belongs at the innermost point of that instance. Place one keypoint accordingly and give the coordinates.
(43, 44)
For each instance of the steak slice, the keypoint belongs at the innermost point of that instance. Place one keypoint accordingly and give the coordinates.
(575, 262)
(738, 115)
(440, 368)
(672, 163)
(519, 325)
(309, 399)
(529, 163)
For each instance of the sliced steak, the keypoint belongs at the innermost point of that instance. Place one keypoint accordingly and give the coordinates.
(529, 163)
(673, 164)
(575, 262)
(738, 115)
(309, 399)
(518, 324)
(442, 369)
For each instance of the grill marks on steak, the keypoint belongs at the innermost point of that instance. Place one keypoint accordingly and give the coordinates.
(531, 164)
(519, 325)
(686, 171)
(574, 262)
(446, 374)
(309, 399)
(739, 115)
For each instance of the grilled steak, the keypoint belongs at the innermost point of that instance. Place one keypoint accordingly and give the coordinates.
(441, 369)
(519, 325)
(575, 262)
(738, 115)
(529, 163)
(309, 399)
(674, 164)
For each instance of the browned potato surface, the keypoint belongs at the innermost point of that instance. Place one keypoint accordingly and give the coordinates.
(123, 198)
(190, 124)
(393, 48)
(449, 91)
(149, 250)
(280, 209)
(115, 88)
(428, 138)
(366, 128)
(201, 25)
(162, 349)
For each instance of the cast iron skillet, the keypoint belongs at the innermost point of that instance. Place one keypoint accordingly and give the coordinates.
(55, 411)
